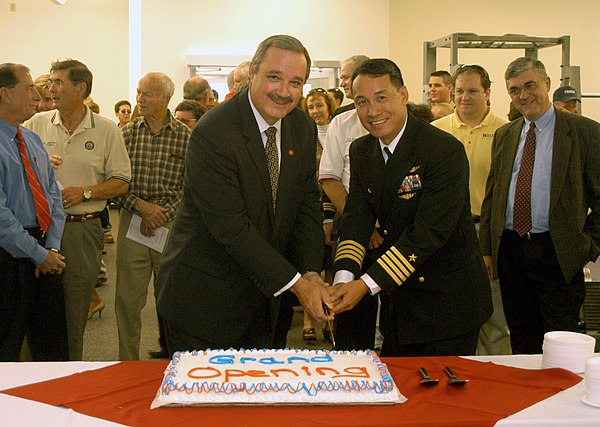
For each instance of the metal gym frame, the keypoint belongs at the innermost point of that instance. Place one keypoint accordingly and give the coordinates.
(530, 44)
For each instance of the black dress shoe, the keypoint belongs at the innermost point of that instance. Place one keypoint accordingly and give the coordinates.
(159, 354)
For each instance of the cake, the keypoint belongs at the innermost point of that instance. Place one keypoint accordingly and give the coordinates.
(276, 377)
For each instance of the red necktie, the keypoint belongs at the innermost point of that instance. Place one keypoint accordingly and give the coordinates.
(42, 211)
(522, 205)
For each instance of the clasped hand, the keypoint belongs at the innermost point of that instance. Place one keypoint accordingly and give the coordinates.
(345, 296)
(312, 293)
(54, 264)
(153, 216)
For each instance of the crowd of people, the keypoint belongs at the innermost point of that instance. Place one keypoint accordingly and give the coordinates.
(416, 229)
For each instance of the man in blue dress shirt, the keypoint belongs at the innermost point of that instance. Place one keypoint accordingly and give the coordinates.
(31, 294)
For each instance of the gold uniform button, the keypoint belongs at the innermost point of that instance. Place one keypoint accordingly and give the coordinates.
(385, 232)
(421, 279)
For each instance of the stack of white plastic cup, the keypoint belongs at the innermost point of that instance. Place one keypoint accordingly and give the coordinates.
(592, 380)
(567, 350)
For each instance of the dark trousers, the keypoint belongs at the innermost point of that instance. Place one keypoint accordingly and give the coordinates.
(32, 307)
(536, 297)
(355, 329)
(462, 345)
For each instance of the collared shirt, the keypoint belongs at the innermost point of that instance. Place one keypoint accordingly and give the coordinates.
(17, 210)
(335, 161)
(478, 146)
(344, 276)
(157, 164)
(263, 126)
(542, 172)
(93, 154)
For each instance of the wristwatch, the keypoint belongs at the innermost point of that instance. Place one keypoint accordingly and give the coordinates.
(87, 194)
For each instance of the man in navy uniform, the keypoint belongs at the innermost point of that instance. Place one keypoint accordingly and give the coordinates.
(412, 180)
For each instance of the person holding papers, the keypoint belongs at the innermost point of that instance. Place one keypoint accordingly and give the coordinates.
(156, 143)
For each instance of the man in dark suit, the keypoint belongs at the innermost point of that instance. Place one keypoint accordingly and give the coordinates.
(249, 228)
(411, 179)
(536, 232)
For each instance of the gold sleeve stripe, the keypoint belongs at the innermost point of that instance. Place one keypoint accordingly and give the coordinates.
(352, 257)
(329, 207)
(403, 260)
(389, 270)
(352, 250)
(397, 263)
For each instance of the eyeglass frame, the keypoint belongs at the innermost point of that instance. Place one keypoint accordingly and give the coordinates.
(528, 87)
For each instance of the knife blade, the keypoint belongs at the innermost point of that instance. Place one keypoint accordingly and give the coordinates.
(329, 325)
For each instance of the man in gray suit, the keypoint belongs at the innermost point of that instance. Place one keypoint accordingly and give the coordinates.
(540, 219)
(249, 228)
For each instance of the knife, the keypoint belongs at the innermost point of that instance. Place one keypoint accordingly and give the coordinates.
(329, 325)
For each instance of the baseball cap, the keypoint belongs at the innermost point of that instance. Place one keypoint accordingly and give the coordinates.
(565, 93)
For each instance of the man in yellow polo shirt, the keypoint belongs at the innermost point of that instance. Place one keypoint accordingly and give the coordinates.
(474, 124)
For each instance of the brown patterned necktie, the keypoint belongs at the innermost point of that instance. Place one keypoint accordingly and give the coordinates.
(272, 162)
(522, 204)
(42, 210)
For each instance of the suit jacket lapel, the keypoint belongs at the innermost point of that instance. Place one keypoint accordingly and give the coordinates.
(504, 170)
(288, 169)
(561, 153)
(255, 147)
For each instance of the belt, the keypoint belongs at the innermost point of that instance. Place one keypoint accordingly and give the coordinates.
(528, 235)
(83, 217)
(38, 234)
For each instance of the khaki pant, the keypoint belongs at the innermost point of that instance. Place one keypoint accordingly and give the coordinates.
(494, 336)
(82, 247)
(136, 265)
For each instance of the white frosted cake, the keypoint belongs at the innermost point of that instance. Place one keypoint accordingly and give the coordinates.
(274, 377)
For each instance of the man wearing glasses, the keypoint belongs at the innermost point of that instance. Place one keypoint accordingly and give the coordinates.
(189, 112)
(536, 233)
(473, 123)
(92, 166)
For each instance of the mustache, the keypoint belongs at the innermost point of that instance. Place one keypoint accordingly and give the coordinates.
(281, 99)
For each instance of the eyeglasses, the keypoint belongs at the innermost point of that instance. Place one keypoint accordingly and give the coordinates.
(56, 82)
(317, 90)
(186, 121)
(528, 87)
(125, 111)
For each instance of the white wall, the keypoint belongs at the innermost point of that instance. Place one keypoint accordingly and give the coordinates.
(94, 32)
(413, 22)
(171, 30)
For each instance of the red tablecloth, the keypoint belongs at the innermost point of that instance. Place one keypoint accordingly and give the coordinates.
(123, 392)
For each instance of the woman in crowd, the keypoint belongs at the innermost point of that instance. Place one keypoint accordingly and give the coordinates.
(41, 84)
(123, 112)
